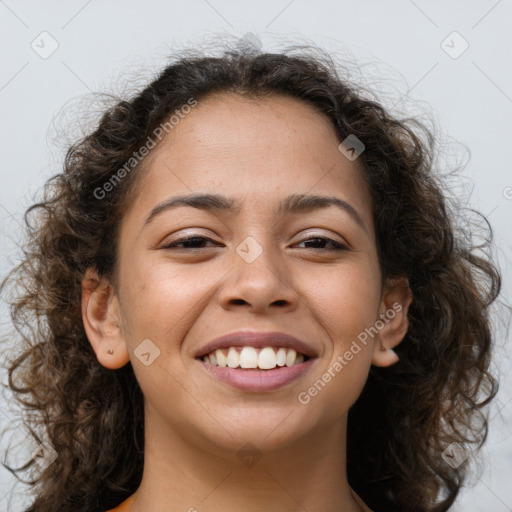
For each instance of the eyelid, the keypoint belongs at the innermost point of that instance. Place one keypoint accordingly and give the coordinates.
(185, 233)
(188, 233)
(335, 237)
(336, 246)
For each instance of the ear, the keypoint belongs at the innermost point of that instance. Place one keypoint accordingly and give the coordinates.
(102, 321)
(392, 323)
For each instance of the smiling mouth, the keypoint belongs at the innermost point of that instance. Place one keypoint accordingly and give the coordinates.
(247, 358)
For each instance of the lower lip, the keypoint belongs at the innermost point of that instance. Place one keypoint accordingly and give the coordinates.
(258, 380)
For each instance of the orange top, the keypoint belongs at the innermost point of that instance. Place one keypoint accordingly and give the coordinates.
(125, 506)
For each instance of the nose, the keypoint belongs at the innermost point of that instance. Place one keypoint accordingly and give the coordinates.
(259, 281)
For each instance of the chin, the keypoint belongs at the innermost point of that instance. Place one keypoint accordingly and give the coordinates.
(269, 431)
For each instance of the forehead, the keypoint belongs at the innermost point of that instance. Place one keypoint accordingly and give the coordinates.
(275, 122)
(254, 149)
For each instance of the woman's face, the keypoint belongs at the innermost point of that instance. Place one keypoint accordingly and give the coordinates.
(256, 268)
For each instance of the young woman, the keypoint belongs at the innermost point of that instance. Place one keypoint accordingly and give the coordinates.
(246, 292)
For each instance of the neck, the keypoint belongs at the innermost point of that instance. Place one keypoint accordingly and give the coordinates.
(181, 474)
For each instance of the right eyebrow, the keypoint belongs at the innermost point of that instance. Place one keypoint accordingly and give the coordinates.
(200, 201)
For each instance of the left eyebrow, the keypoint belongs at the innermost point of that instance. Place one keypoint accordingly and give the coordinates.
(293, 204)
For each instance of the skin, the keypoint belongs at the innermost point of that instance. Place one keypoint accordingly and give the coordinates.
(257, 151)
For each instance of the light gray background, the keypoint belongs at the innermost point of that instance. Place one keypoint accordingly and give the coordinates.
(102, 43)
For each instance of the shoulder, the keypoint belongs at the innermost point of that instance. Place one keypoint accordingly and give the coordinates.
(125, 506)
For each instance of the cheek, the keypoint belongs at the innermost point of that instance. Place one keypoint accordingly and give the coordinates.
(161, 301)
(346, 306)
(346, 301)
(150, 294)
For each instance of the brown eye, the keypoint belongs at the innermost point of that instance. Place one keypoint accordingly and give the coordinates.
(322, 241)
(191, 242)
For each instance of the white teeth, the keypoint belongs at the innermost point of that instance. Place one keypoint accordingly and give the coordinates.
(248, 358)
(233, 358)
(221, 358)
(290, 357)
(281, 357)
(267, 358)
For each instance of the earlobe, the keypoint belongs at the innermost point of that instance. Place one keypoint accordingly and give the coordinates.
(102, 322)
(392, 322)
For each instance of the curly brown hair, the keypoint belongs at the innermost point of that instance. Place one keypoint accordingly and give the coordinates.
(406, 415)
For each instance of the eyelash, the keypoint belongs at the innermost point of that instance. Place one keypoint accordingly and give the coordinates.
(337, 246)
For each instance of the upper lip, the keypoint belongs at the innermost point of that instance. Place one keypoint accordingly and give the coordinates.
(257, 340)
